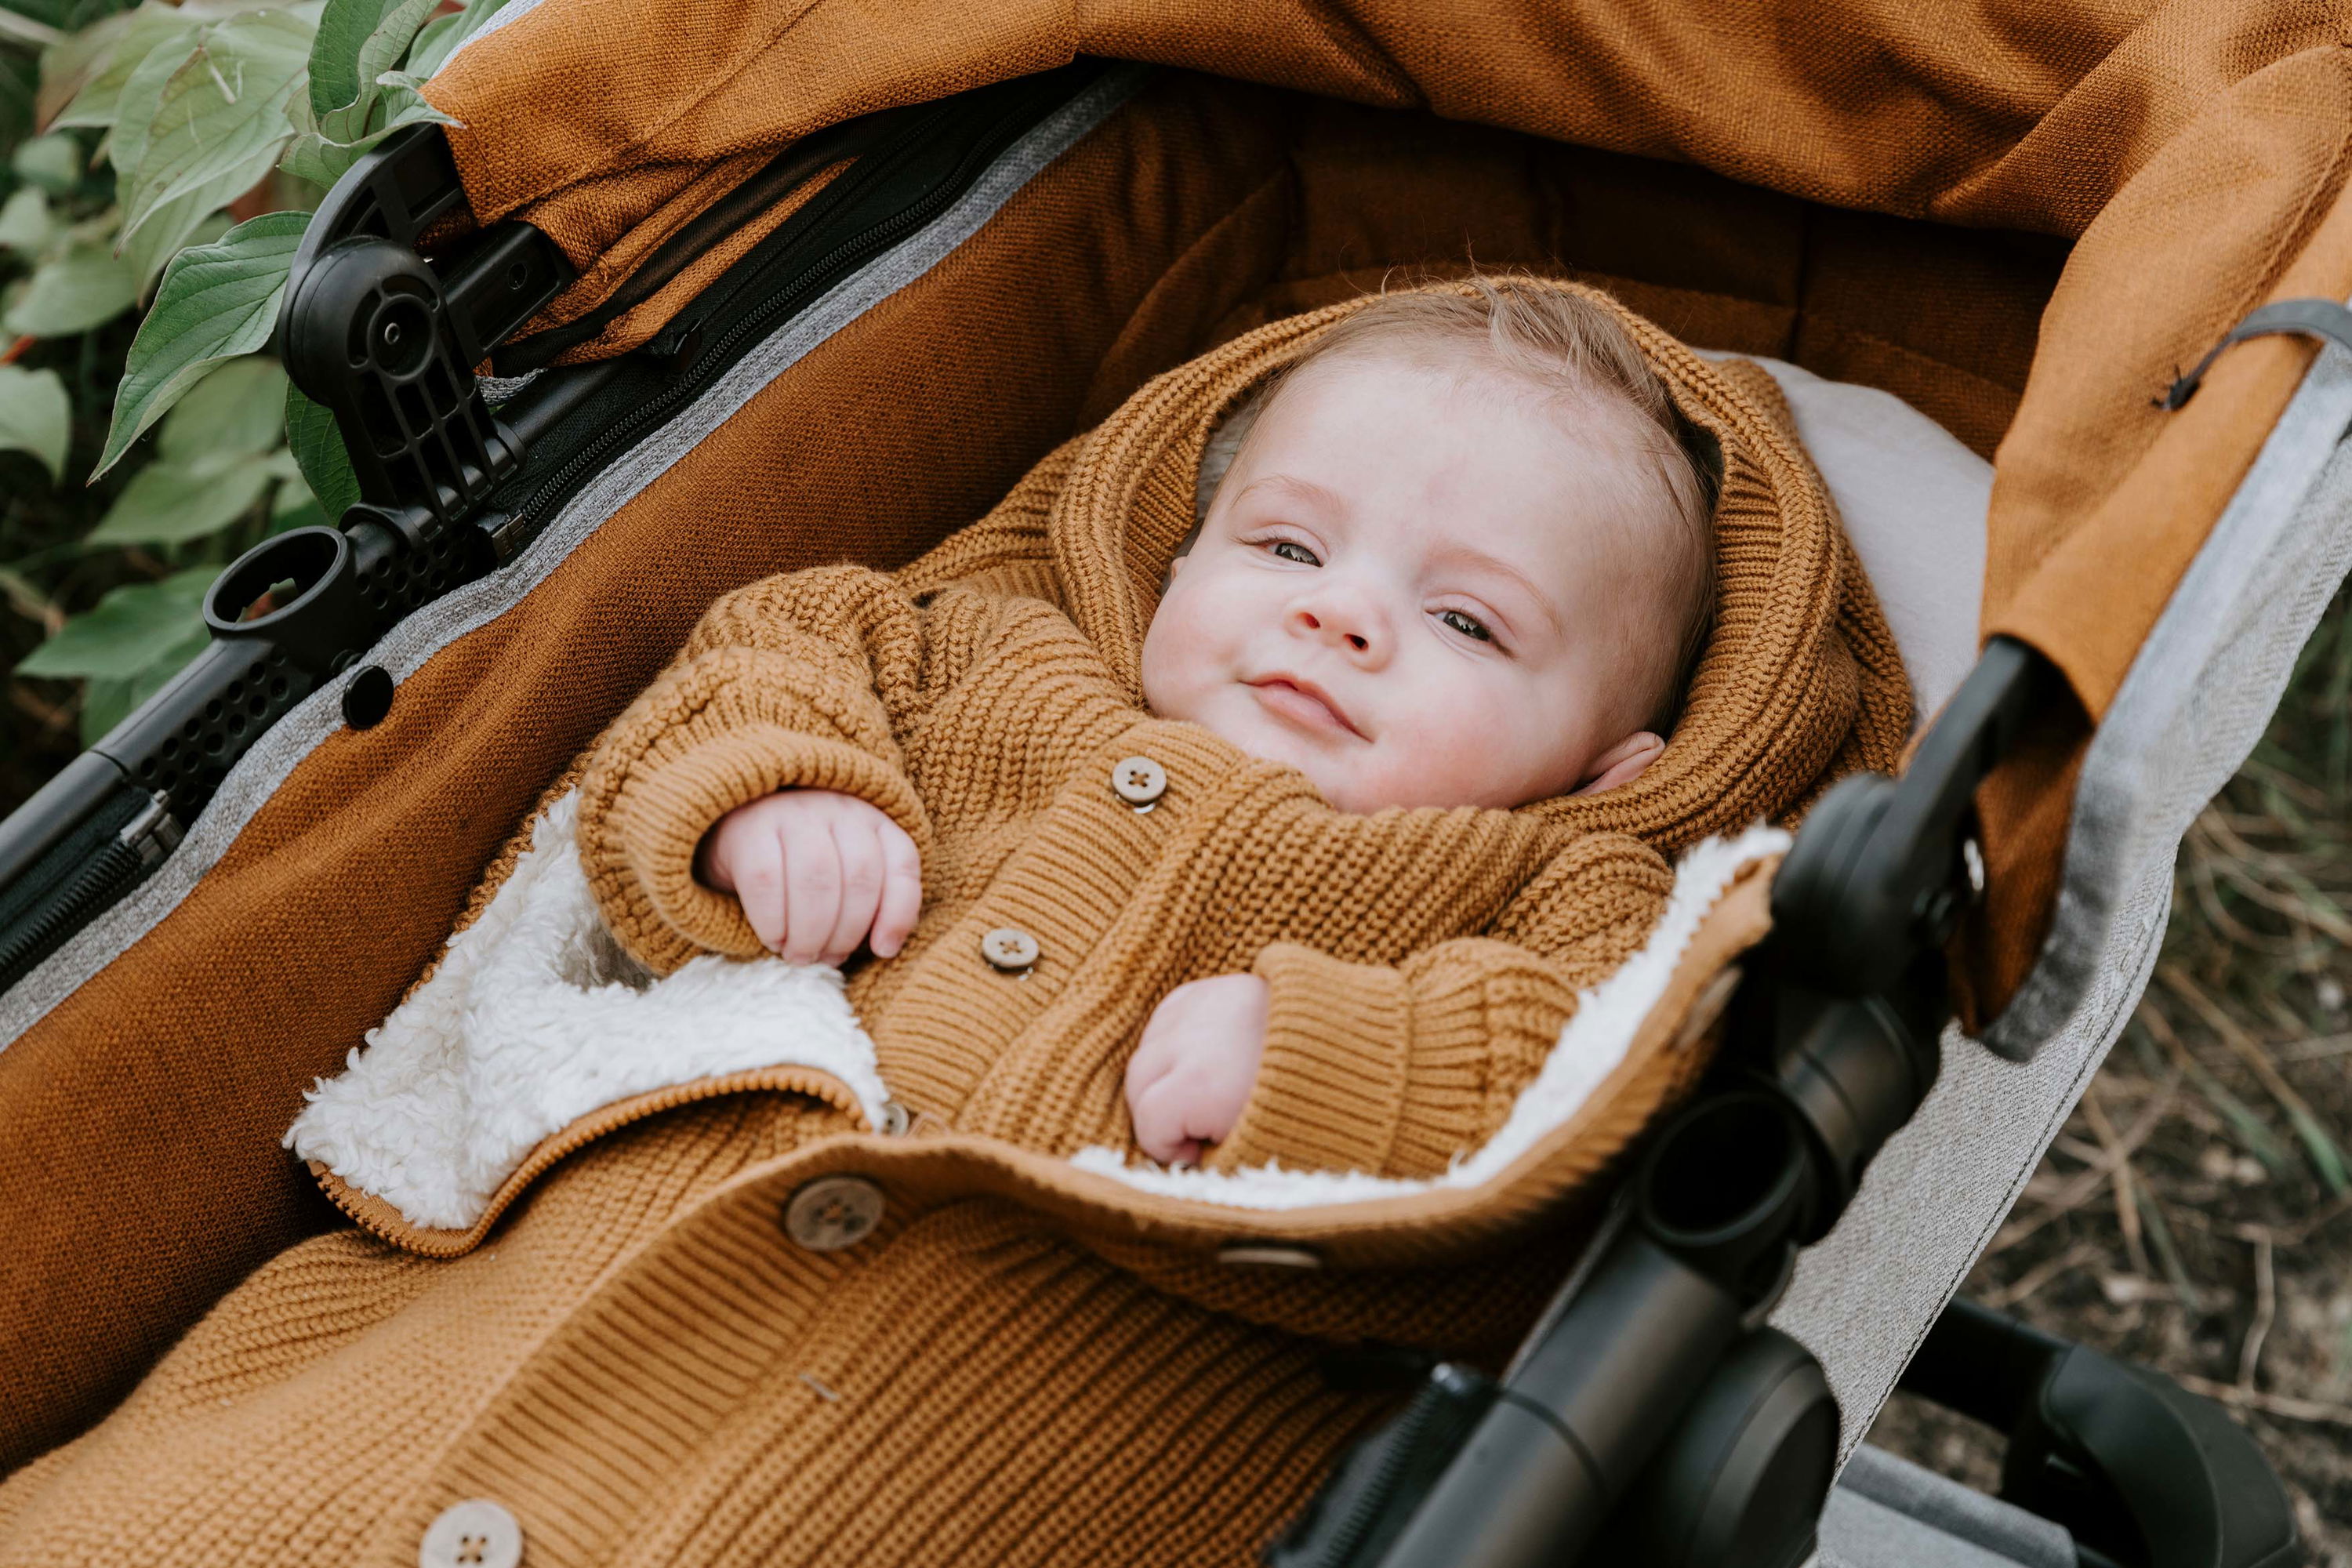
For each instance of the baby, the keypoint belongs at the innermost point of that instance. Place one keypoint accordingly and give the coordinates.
(1461, 557)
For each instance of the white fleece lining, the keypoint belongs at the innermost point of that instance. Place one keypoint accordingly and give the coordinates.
(536, 1018)
(1592, 1045)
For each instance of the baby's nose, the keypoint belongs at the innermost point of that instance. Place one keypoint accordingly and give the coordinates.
(1333, 627)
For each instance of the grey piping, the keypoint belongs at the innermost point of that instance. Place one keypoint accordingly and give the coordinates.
(405, 648)
(2269, 563)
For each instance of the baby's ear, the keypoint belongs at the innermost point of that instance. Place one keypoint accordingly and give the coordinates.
(1623, 762)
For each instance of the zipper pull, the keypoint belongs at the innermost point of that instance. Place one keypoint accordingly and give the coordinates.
(676, 346)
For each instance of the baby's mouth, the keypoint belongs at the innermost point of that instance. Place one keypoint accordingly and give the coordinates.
(1303, 703)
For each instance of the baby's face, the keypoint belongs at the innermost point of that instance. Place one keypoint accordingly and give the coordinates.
(1404, 590)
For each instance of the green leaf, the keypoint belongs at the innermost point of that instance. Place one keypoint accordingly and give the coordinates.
(232, 413)
(36, 415)
(380, 53)
(143, 93)
(135, 640)
(323, 160)
(87, 73)
(294, 506)
(318, 446)
(25, 224)
(20, 83)
(128, 631)
(191, 219)
(71, 292)
(344, 28)
(223, 109)
(216, 301)
(56, 163)
(169, 502)
(442, 35)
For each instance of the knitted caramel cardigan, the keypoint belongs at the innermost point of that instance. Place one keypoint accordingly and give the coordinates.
(1419, 962)
(635, 1358)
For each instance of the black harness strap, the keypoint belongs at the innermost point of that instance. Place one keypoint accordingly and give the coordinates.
(2319, 318)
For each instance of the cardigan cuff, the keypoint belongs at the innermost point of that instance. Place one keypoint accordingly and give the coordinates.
(1330, 1086)
(665, 808)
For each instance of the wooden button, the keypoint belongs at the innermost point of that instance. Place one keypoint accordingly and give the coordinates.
(1009, 949)
(833, 1212)
(1139, 781)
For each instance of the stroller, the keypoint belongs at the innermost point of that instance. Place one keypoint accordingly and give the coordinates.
(613, 344)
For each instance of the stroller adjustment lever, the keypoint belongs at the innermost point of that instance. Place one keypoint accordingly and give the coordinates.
(385, 341)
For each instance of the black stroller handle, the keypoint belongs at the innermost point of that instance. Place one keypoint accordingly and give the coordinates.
(1650, 1416)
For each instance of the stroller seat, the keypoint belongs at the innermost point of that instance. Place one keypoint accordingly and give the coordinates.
(855, 421)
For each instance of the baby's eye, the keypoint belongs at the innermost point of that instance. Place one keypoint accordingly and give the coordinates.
(1291, 550)
(1468, 625)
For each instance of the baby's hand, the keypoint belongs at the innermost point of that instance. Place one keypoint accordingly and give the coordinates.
(816, 873)
(1186, 1082)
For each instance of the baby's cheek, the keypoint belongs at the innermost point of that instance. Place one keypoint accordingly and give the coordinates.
(1472, 742)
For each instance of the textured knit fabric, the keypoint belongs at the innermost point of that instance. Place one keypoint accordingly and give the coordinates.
(641, 1367)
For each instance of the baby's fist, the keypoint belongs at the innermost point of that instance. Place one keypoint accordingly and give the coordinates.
(1188, 1081)
(817, 873)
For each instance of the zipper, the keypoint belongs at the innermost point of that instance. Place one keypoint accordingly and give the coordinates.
(704, 361)
(773, 183)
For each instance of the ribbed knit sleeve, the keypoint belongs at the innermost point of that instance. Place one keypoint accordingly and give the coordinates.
(1393, 1069)
(801, 681)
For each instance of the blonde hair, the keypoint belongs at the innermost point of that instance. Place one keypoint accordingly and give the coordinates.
(1561, 344)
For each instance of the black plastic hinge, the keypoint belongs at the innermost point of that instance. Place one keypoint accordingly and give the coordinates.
(387, 341)
(1884, 868)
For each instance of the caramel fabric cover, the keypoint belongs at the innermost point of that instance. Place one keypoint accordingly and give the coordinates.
(2194, 152)
(1025, 1362)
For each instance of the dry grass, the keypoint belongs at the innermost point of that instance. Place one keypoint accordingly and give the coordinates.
(2196, 1213)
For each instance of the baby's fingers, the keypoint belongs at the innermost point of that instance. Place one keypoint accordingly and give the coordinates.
(754, 861)
(812, 887)
(902, 890)
(1160, 1113)
(862, 875)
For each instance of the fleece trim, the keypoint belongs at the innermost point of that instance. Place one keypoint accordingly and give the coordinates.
(535, 1019)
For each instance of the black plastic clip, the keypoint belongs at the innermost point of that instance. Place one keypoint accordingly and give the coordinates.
(388, 342)
(1886, 867)
(2324, 318)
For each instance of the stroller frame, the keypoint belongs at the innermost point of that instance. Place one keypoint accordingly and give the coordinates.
(1651, 1411)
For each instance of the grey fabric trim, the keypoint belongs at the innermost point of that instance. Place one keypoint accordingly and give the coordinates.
(1886, 1513)
(501, 389)
(1865, 1295)
(2197, 698)
(2200, 691)
(405, 649)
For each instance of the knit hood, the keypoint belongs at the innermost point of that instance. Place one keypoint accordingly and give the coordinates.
(1799, 681)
